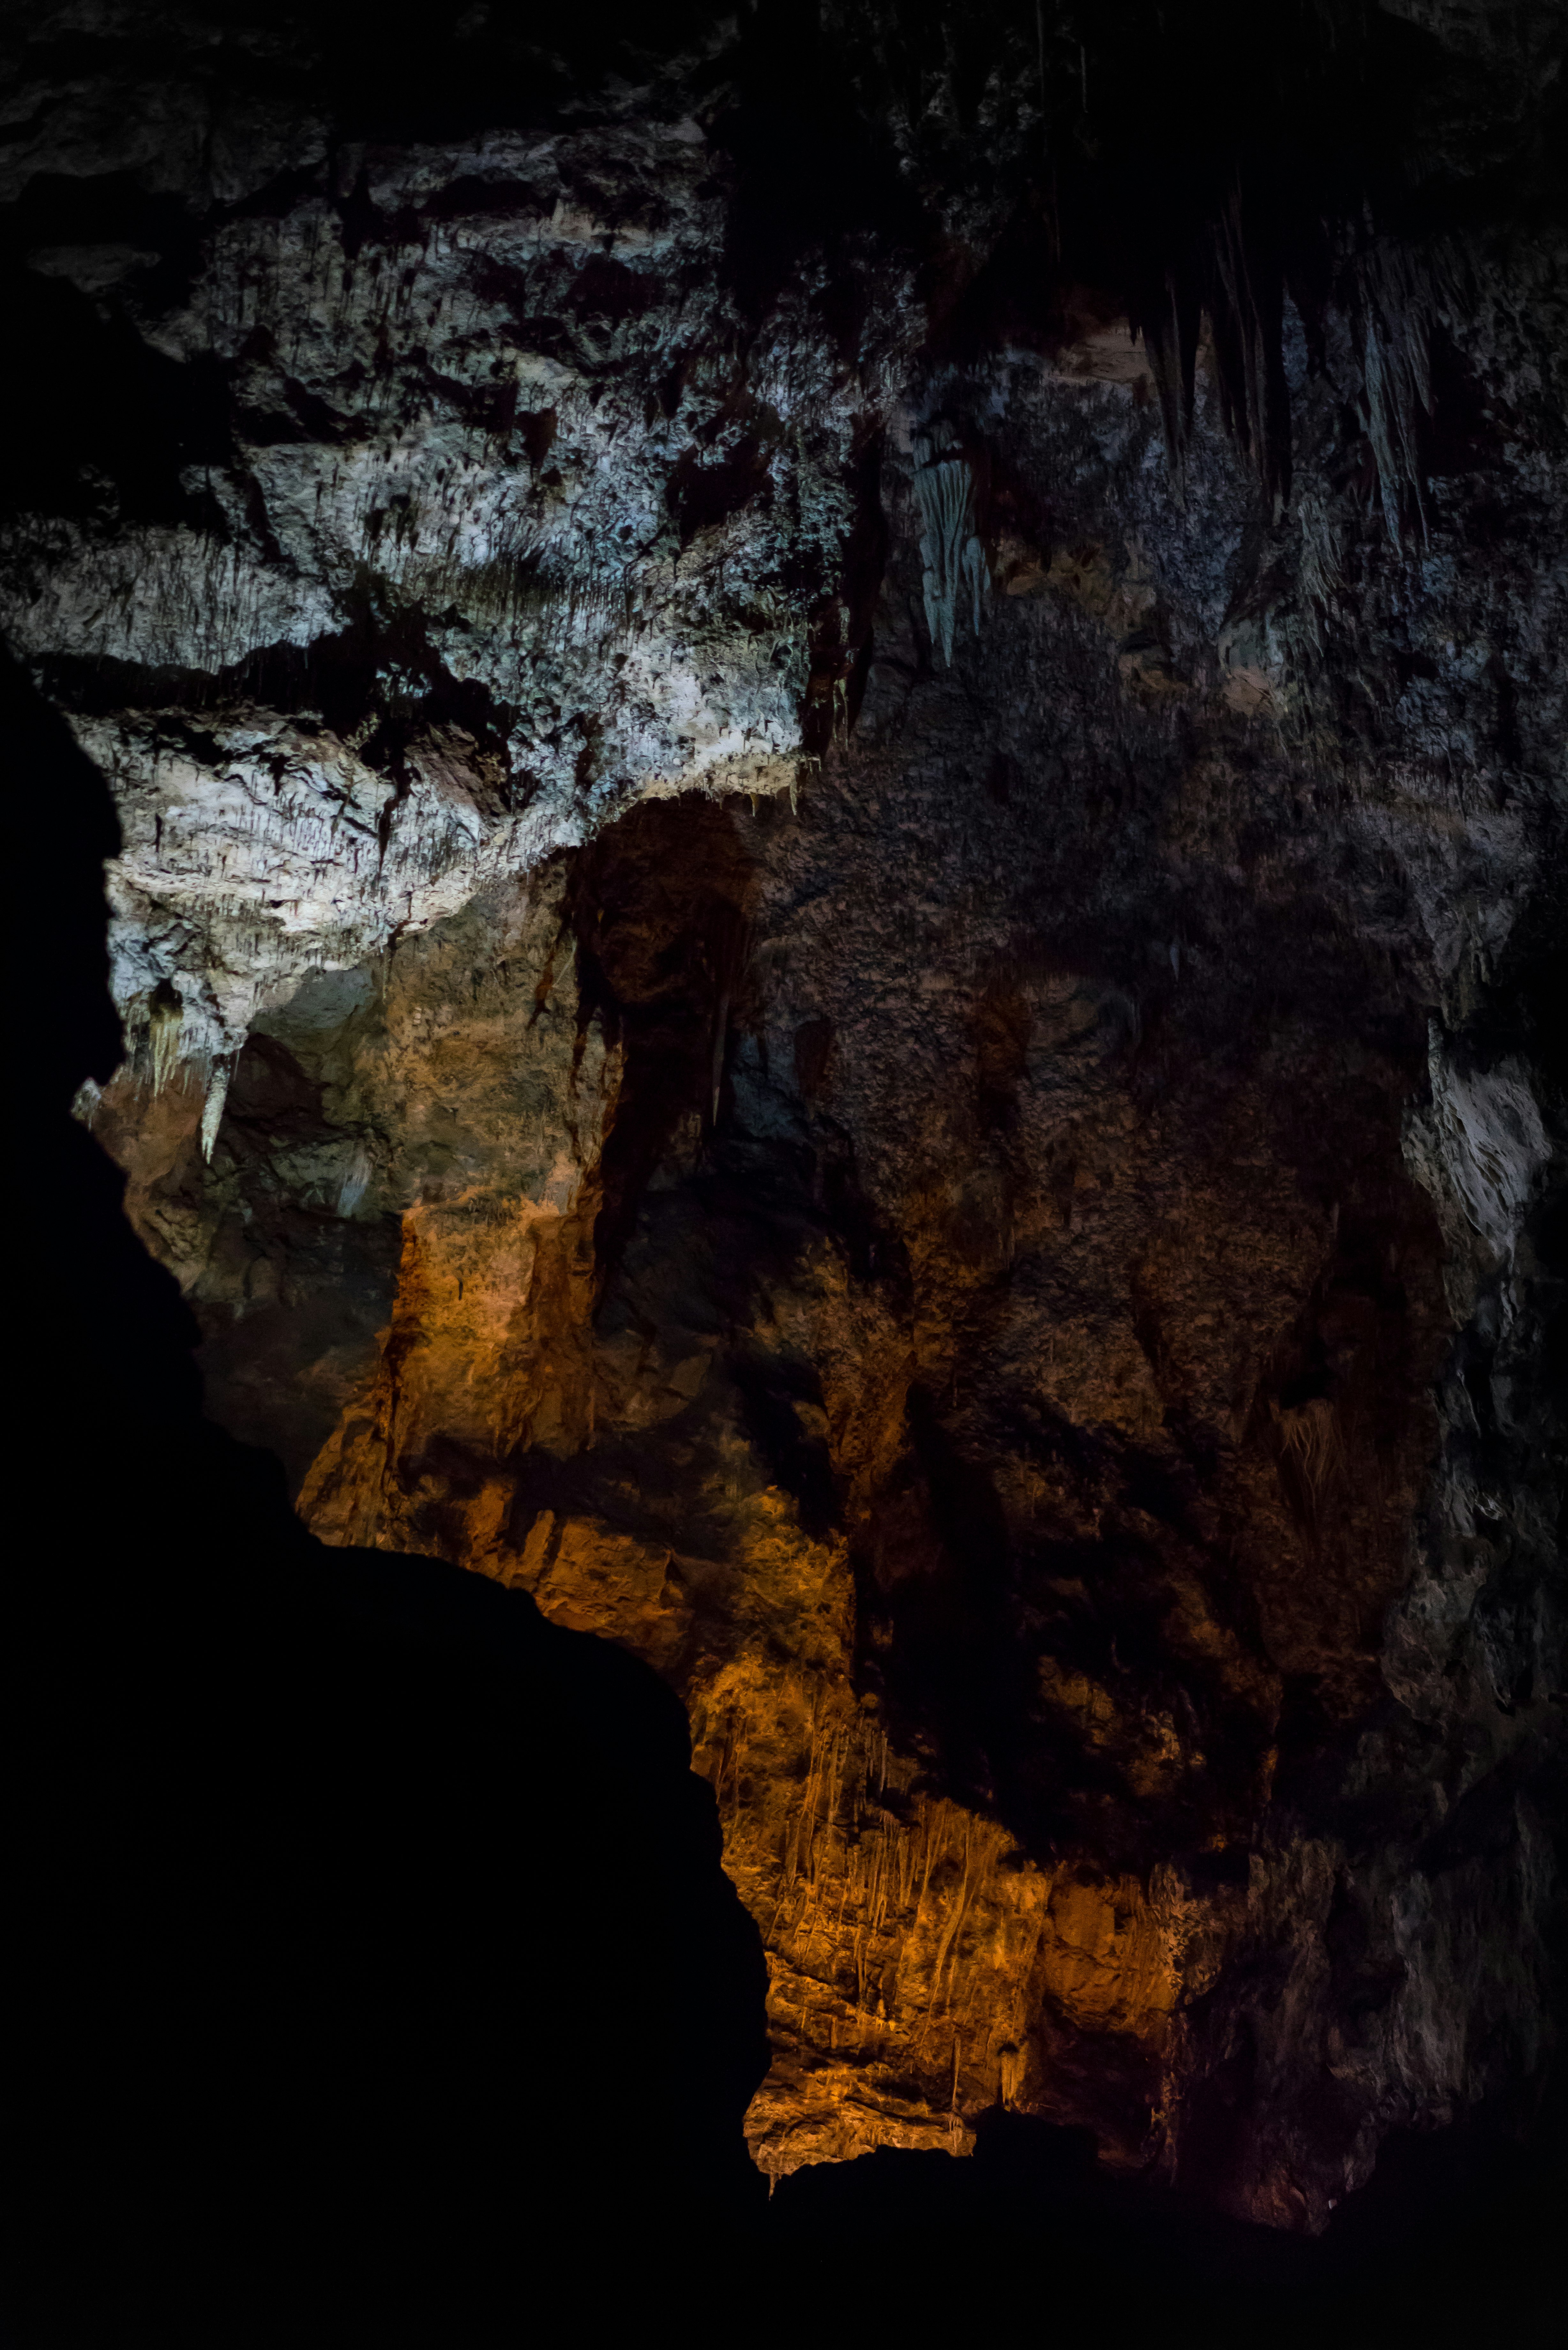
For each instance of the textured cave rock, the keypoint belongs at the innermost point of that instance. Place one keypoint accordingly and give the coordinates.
(840, 758)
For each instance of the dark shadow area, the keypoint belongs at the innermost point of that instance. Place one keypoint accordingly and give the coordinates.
(278, 1373)
(1454, 2226)
(658, 909)
(370, 1953)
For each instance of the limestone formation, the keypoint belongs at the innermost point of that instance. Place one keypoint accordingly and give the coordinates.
(836, 924)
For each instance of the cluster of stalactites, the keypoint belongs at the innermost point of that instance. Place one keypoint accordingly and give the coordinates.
(1233, 286)
(1225, 284)
(951, 556)
(163, 1057)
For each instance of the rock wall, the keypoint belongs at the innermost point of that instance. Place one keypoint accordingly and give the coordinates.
(839, 945)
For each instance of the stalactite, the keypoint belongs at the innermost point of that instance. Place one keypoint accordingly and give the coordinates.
(1397, 295)
(951, 556)
(164, 1023)
(212, 1107)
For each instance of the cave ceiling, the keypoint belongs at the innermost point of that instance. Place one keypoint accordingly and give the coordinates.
(838, 739)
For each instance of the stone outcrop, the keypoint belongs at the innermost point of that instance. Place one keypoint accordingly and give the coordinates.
(838, 947)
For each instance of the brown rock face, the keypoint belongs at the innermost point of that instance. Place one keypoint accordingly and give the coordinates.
(979, 1193)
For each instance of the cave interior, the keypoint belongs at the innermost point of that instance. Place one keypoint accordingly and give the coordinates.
(788, 808)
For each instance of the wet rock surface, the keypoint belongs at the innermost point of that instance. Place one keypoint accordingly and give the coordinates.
(840, 947)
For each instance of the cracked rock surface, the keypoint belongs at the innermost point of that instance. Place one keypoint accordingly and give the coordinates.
(843, 949)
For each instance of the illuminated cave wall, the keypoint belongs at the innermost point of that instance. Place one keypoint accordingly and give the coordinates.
(989, 1216)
